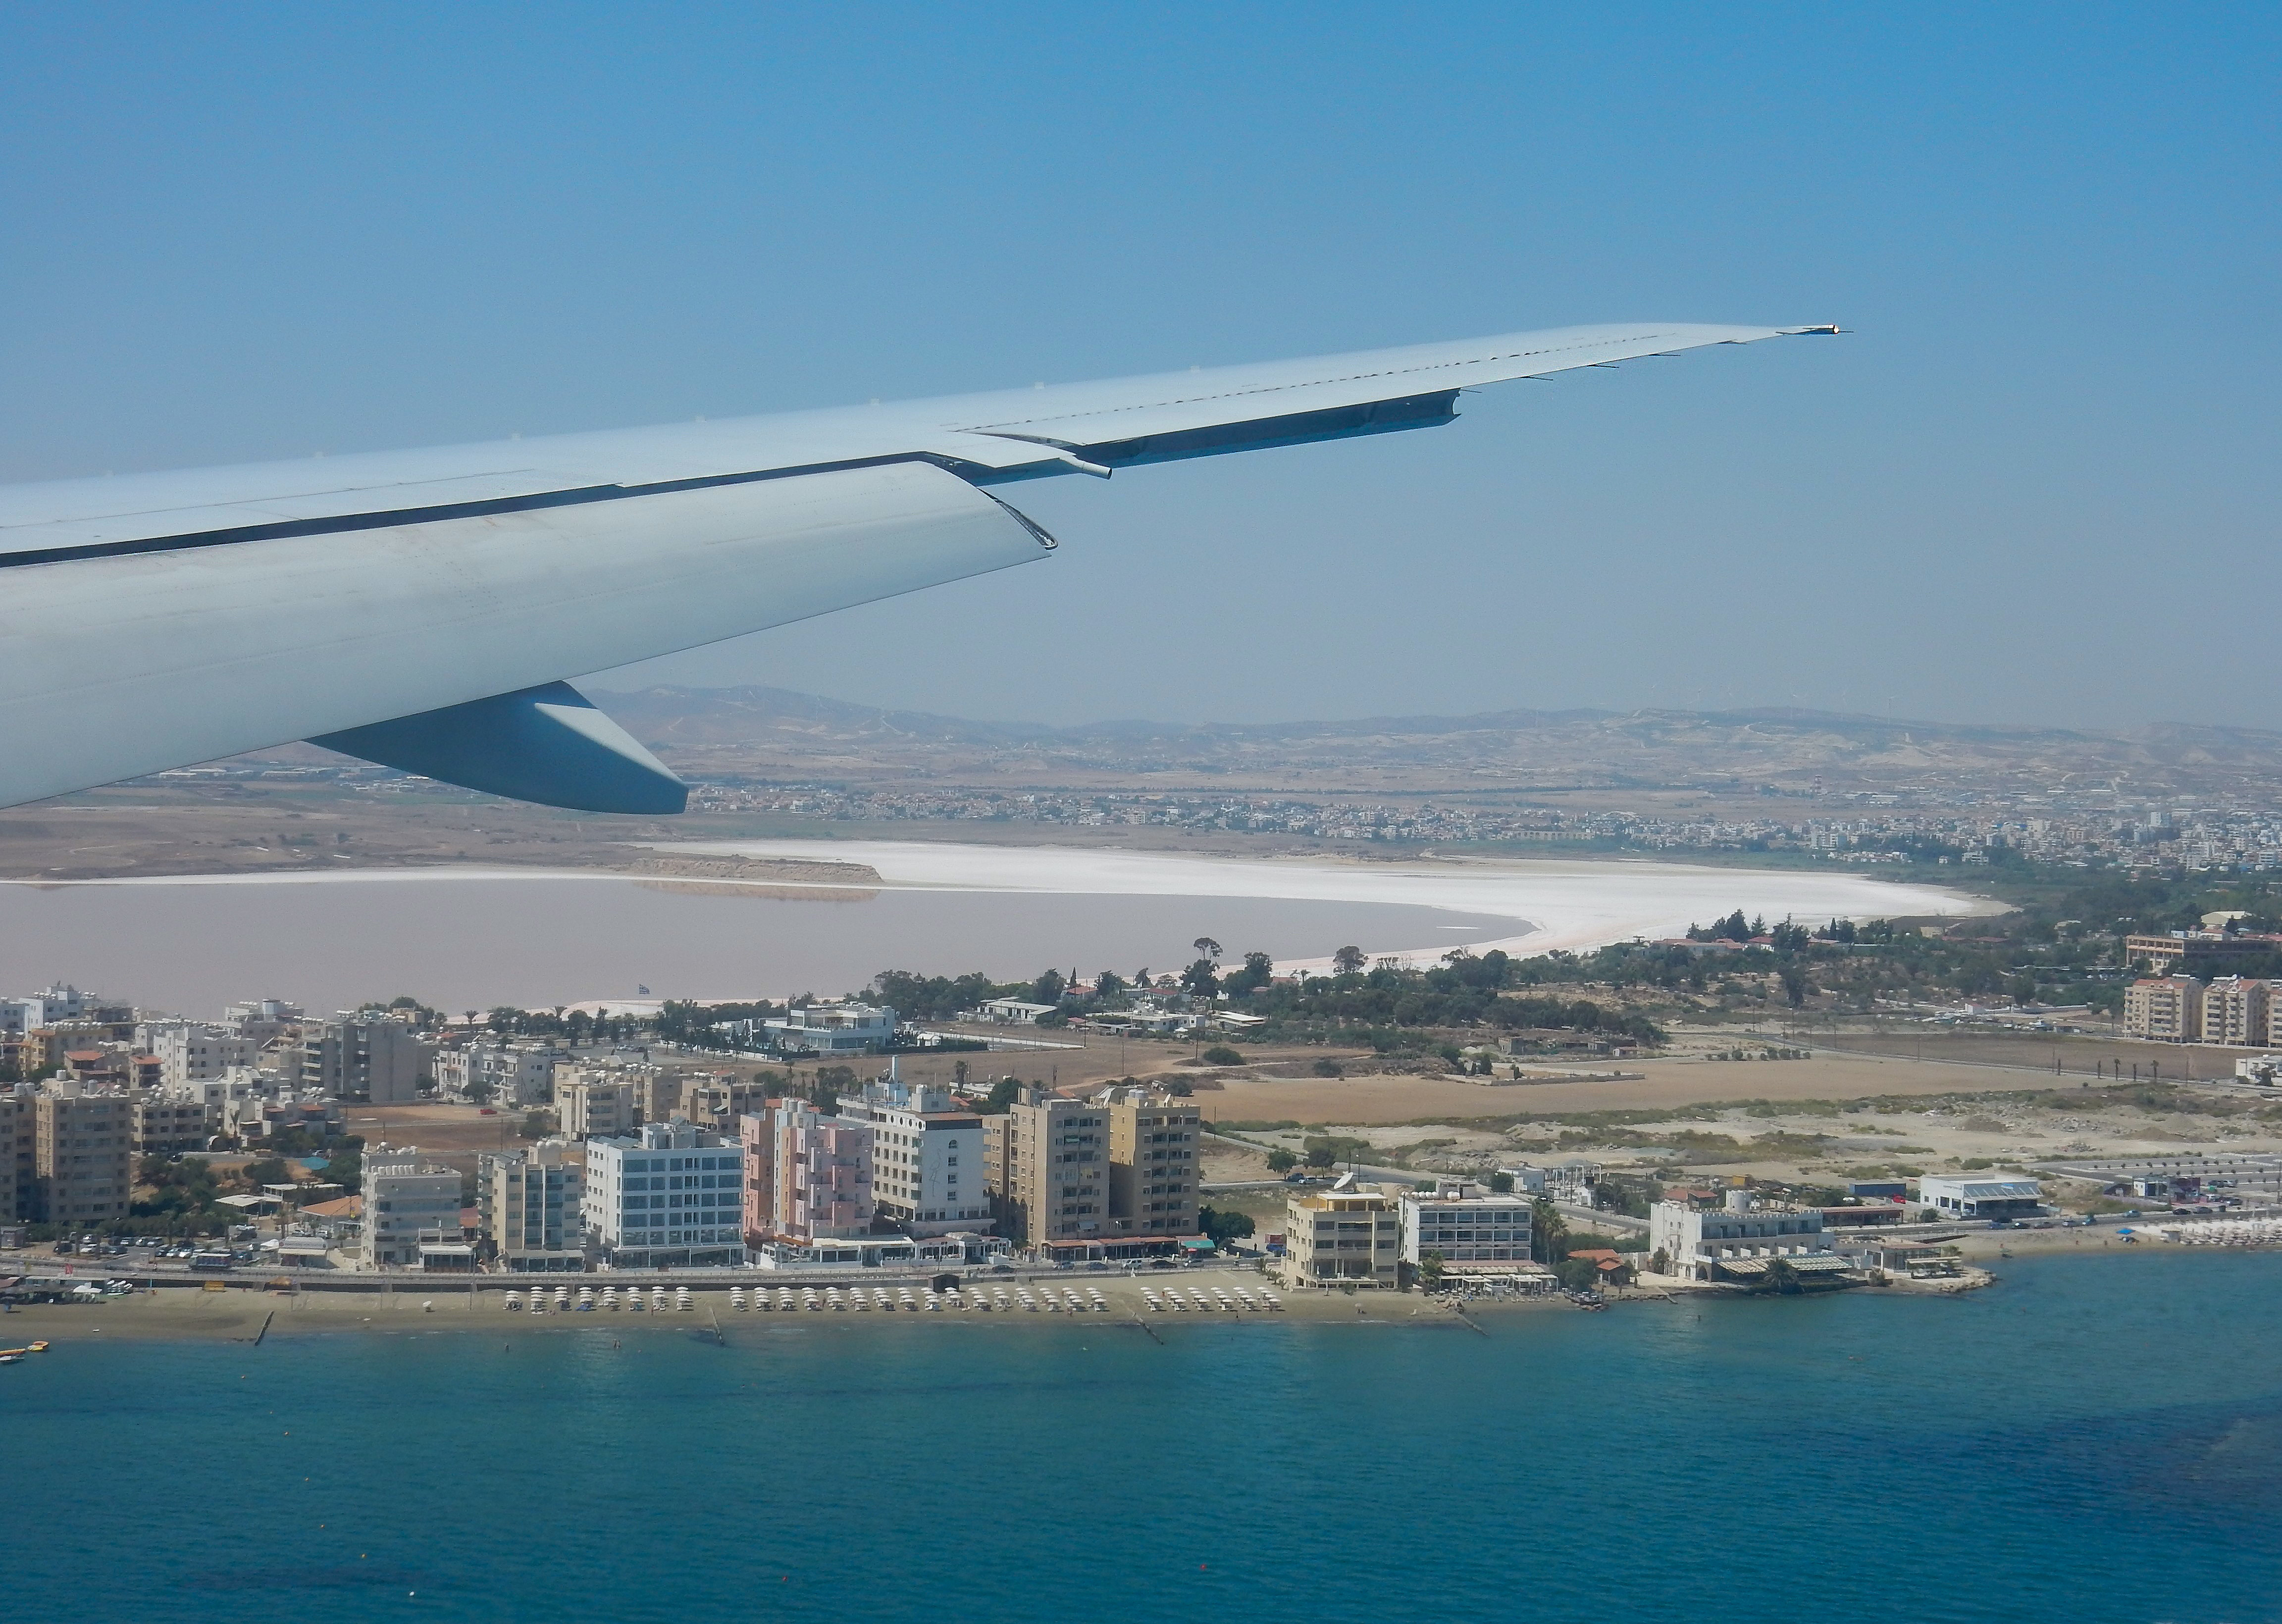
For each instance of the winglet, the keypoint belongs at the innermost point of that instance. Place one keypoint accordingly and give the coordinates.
(548, 744)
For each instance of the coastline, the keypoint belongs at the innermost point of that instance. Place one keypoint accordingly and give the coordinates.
(247, 1312)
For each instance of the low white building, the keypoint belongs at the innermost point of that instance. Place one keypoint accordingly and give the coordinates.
(1971, 1196)
(671, 1195)
(1734, 1242)
(1011, 1011)
(409, 1204)
(1476, 1231)
(833, 1029)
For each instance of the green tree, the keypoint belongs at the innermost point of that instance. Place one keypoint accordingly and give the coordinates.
(1221, 1054)
(1577, 1273)
(1549, 1232)
(1282, 1161)
(269, 1171)
(1004, 1093)
(1348, 960)
(346, 1168)
(1201, 980)
(1223, 1227)
(1430, 1270)
(1259, 970)
(1048, 989)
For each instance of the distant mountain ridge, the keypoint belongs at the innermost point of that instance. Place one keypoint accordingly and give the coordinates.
(776, 732)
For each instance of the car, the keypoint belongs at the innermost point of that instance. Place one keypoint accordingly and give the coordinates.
(486, 1111)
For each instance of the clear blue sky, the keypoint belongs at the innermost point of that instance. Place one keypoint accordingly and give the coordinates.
(2038, 481)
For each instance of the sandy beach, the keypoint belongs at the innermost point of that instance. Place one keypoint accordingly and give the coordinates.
(249, 1314)
(242, 1314)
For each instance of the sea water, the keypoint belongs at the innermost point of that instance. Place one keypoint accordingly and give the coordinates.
(2097, 1438)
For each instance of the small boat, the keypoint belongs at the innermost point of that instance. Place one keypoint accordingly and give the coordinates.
(11, 1356)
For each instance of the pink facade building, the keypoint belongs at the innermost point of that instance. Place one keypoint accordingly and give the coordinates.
(807, 1176)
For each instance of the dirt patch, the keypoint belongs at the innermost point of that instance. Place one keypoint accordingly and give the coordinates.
(1663, 1084)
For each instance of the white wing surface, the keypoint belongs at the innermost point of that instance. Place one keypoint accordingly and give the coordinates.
(157, 620)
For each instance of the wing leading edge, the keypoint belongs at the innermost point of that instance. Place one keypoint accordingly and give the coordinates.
(416, 554)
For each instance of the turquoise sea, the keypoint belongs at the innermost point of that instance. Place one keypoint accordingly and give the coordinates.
(2098, 1438)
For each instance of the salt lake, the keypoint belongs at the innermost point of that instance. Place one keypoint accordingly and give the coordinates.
(471, 938)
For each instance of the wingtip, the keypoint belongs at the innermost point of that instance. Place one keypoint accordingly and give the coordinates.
(1832, 328)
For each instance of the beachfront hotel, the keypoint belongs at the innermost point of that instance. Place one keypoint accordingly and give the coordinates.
(671, 1195)
(1349, 1234)
(531, 1203)
(1735, 1242)
(409, 1204)
(1479, 1232)
(927, 1159)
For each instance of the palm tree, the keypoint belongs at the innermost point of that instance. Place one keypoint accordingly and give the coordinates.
(1549, 1232)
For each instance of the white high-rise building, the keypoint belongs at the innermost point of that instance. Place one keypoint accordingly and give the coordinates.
(671, 1195)
(927, 1159)
(407, 1201)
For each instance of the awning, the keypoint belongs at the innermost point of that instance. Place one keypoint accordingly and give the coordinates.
(1812, 1263)
(1196, 1243)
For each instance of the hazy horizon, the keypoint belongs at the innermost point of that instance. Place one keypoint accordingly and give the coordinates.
(605, 688)
(257, 232)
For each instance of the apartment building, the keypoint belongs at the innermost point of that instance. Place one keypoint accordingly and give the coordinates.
(1349, 1234)
(264, 1020)
(1476, 1231)
(365, 1055)
(1046, 1164)
(165, 1123)
(1153, 1141)
(509, 1075)
(1735, 1240)
(2168, 1009)
(83, 1155)
(16, 1143)
(410, 1205)
(532, 1205)
(721, 1099)
(927, 1159)
(591, 1107)
(819, 1177)
(671, 1194)
(189, 1052)
(2237, 1011)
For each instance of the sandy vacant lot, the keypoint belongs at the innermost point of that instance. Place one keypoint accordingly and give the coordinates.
(1666, 1085)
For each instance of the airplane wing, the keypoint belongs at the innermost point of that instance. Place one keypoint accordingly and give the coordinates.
(425, 608)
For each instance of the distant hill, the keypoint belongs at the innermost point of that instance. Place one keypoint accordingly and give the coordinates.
(776, 733)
